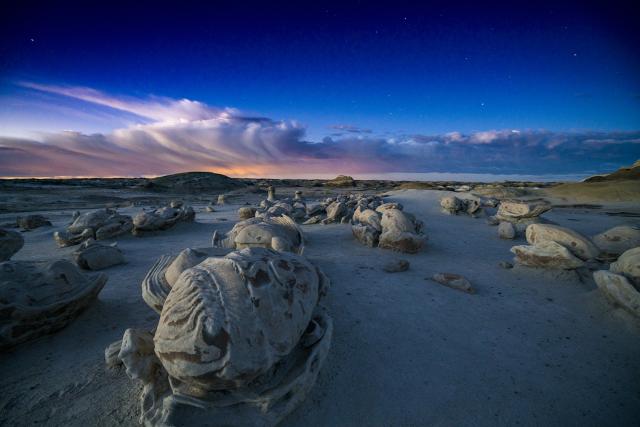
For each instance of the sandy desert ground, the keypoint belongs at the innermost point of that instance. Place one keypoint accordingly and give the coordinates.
(530, 347)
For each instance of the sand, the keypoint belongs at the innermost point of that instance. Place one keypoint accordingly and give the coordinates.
(529, 348)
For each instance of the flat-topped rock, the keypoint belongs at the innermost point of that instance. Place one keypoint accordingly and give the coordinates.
(615, 241)
(618, 291)
(547, 254)
(513, 210)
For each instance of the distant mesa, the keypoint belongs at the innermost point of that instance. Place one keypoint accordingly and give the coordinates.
(341, 181)
(619, 186)
(193, 182)
(622, 174)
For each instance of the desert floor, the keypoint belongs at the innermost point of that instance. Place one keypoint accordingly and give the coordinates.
(530, 347)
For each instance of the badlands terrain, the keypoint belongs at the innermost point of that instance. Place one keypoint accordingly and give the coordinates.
(521, 346)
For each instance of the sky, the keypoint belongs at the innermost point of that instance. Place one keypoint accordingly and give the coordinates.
(296, 89)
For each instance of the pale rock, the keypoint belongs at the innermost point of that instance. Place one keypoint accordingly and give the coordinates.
(396, 266)
(578, 244)
(613, 242)
(547, 254)
(455, 281)
(618, 291)
(506, 230)
(92, 255)
(246, 213)
(628, 264)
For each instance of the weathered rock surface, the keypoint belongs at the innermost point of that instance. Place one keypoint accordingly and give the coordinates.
(280, 233)
(161, 219)
(506, 230)
(452, 204)
(38, 298)
(31, 222)
(615, 241)
(396, 266)
(578, 244)
(400, 232)
(10, 243)
(99, 224)
(547, 254)
(628, 264)
(246, 213)
(166, 270)
(618, 291)
(240, 341)
(513, 210)
(92, 255)
(454, 281)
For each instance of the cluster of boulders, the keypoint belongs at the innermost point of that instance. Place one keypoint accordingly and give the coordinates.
(162, 218)
(99, 225)
(621, 283)
(454, 205)
(338, 209)
(387, 226)
(514, 216)
(242, 334)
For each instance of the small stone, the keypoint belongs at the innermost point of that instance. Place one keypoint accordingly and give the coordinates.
(396, 266)
(492, 220)
(506, 230)
(505, 264)
(454, 281)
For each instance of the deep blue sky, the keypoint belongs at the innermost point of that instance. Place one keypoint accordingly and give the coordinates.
(437, 67)
(395, 69)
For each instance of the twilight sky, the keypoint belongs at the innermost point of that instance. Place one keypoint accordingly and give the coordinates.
(318, 89)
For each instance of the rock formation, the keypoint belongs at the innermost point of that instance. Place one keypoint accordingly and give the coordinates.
(31, 222)
(279, 233)
(240, 341)
(628, 264)
(547, 254)
(100, 224)
(579, 245)
(454, 281)
(618, 291)
(10, 243)
(92, 255)
(521, 213)
(613, 242)
(506, 230)
(162, 218)
(387, 227)
(454, 205)
(246, 213)
(38, 298)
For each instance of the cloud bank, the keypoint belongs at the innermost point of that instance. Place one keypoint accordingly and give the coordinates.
(185, 135)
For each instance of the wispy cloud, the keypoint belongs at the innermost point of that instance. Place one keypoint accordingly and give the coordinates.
(184, 135)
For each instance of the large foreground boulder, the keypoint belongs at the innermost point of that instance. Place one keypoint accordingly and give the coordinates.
(10, 243)
(240, 341)
(578, 244)
(38, 298)
(547, 254)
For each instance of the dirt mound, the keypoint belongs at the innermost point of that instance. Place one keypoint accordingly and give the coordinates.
(194, 182)
(622, 174)
(341, 181)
